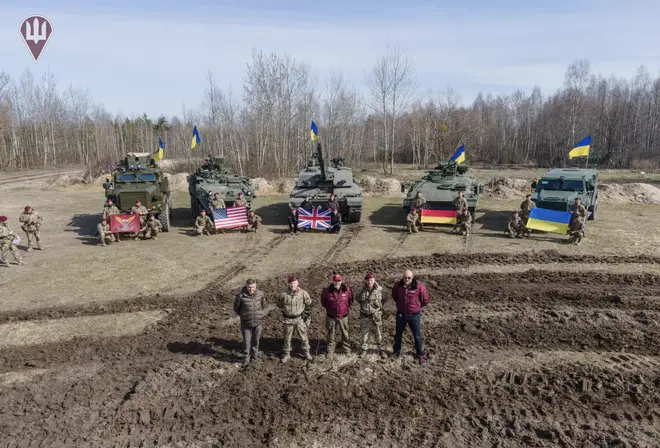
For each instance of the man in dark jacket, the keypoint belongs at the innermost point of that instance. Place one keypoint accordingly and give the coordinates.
(335, 222)
(337, 300)
(293, 221)
(411, 297)
(249, 305)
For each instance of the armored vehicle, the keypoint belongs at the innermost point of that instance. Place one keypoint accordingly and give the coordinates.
(558, 188)
(317, 182)
(139, 177)
(441, 186)
(214, 177)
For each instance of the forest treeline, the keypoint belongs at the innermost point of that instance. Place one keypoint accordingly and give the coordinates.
(264, 130)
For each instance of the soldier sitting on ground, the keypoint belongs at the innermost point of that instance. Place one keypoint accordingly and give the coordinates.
(253, 221)
(335, 222)
(464, 222)
(411, 220)
(103, 233)
(516, 227)
(576, 230)
(152, 227)
(203, 224)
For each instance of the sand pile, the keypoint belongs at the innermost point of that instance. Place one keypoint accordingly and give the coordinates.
(65, 180)
(376, 186)
(262, 187)
(633, 193)
(506, 188)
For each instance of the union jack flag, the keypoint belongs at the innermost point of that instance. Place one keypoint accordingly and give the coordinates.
(225, 218)
(313, 219)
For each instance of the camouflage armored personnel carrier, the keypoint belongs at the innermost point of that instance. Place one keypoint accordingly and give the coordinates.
(441, 186)
(214, 177)
(318, 182)
(558, 188)
(139, 177)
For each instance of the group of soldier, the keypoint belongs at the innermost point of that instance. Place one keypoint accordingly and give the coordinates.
(409, 295)
(150, 227)
(516, 226)
(335, 217)
(204, 225)
(30, 224)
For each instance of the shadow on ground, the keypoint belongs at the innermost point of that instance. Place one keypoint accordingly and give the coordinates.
(84, 224)
(274, 214)
(389, 215)
(494, 220)
(181, 217)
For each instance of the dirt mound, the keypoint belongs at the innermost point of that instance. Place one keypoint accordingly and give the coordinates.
(262, 187)
(632, 193)
(377, 186)
(506, 188)
(178, 181)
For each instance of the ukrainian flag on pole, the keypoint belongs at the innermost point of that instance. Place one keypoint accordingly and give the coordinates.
(314, 131)
(459, 155)
(160, 153)
(581, 149)
(195, 138)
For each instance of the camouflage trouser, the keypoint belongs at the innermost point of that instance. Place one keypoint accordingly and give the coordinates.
(203, 229)
(291, 326)
(465, 228)
(334, 326)
(517, 231)
(33, 238)
(412, 227)
(8, 246)
(254, 225)
(369, 325)
(575, 236)
(149, 232)
(106, 237)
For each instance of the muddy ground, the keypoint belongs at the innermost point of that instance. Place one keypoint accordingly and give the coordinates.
(529, 342)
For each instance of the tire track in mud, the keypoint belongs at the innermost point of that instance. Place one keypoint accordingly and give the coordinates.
(350, 232)
(400, 241)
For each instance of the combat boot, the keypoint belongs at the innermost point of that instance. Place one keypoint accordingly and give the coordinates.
(246, 362)
(362, 353)
(285, 358)
(29, 249)
(19, 262)
(308, 355)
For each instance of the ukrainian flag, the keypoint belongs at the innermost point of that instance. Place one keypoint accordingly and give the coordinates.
(195, 138)
(581, 149)
(158, 155)
(314, 131)
(549, 220)
(459, 155)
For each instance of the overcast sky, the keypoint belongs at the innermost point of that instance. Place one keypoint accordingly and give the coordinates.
(153, 56)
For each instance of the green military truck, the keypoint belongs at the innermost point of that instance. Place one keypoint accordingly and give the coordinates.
(139, 177)
(559, 187)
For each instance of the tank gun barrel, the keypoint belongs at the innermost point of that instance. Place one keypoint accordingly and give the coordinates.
(319, 152)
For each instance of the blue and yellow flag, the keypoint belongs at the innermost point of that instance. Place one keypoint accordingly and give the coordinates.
(314, 131)
(549, 220)
(581, 149)
(195, 138)
(459, 155)
(160, 153)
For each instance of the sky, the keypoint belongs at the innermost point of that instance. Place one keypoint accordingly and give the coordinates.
(154, 56)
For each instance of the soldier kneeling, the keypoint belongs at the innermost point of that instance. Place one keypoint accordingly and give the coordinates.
(103, 233)
(152, 228)
(253, 221)
(411, 220)
(516, 227)
(576, 230)
(464, 222)
(203, 224)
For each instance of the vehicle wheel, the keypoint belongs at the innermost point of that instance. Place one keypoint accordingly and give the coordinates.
(164, 218)
(594, 211)
(193, 207)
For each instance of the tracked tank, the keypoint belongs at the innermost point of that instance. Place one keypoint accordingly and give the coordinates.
(214, 177)
(441, 186)
(316, 182)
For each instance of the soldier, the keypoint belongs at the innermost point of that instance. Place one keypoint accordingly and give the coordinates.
(253, 221)
(218, 202)
(526, 207)
(464, 222)
(293, 220)
(108, 210)
(152, 227)
(516, 227)
(578, 210)
(337, 300)
(31, 226)
(203, 224)
(332, 202)
(411, 220)
(103, 232)
(335, 222)
(107, 185)
(460, 203)
(371, 302)
(249, 305)
(418, 203)
(306, 204)
(139, 209)
(295, 304)
(240, 202)
(576, 230)
(7, 237)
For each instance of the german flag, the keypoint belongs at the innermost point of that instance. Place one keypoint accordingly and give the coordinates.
(438, 216)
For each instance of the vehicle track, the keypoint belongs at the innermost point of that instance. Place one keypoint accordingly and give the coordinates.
(350, 231)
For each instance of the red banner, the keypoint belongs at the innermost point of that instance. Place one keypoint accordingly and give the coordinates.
(125, 223)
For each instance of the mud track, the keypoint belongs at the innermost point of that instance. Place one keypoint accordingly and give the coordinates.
(537, 358)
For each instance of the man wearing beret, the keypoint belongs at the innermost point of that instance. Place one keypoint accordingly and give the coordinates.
(337, 300)
(294, 302)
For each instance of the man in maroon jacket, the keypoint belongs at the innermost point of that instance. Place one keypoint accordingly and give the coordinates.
(411, 297)
(337, 300)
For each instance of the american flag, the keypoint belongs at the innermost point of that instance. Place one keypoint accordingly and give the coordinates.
(314, 219)
(224, 218)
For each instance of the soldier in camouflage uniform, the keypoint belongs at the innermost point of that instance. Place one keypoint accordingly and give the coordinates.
(139, 209)
(203, 224)
(31, 224)
(579, 211)
(217, 202)
(253, 221)
(460, 203)
(151, 228)
(464, 222)
(526, 207)
(240, 202)
(333, 204)
(295, 304)
(411, 220)
(418, 204)
(516, 227)
(370, 297)
(7, 237)
(104, 234)
(576, 229)
(110, 209)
